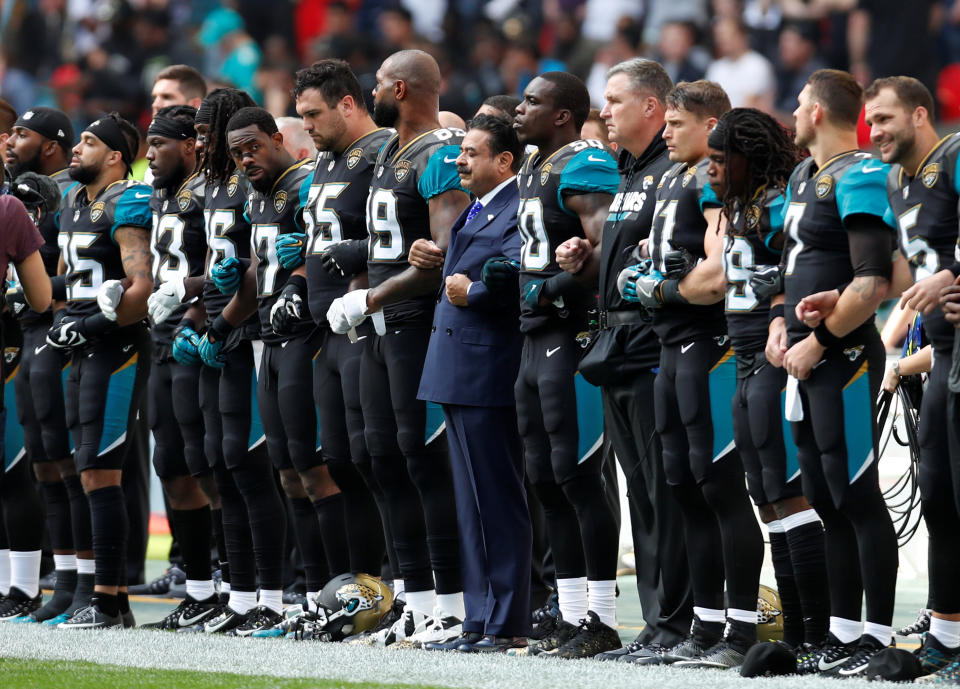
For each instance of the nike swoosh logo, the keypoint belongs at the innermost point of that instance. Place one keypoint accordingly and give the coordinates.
(141, 196)
(190, 621)
(684, 348)
(449, 160)
(128, 348)
(596, 160)
(646, 291)
(823, 667)
(551, 352)
(872, 169)
(37, 350)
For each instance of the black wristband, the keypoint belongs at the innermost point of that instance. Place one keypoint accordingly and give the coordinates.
(558, 285)
(59, 285)
(98, 324)
(296, 283)
(186, 323)
(670, 293)
(955, 269)
(824, 336)
(219, 330)
(58, 316)
(776, 311)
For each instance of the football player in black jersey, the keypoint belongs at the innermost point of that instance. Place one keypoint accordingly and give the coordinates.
(275, 287)
(330, 100)
(695, 383)
(838, 245)
(179, 253)
(923, 189)
(751, 158)
(566, 187)
(232, 433)
(41, 142)
(104, 235)
(415, 194)
(635, 95)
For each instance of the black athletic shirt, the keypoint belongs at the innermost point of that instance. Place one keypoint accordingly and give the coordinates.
(581, 167)
(86, 239)
(404, 180)
(816, 255)
(337, 211)
(228, 233)
(682, 195)
(748, 247)
(272, 215)
(178, 243)
(924, 210)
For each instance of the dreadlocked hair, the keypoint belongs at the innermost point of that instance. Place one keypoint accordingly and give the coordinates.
(768, 148)
(216, 162)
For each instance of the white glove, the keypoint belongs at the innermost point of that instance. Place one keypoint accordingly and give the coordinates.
(167, 299)
(347, 312)
(108, 298)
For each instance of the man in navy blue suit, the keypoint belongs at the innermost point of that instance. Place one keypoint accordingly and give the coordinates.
(470, 369)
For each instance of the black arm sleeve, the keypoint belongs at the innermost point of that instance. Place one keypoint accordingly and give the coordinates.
(871, 246)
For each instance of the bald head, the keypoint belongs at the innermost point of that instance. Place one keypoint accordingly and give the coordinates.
(295, 138)
(416, 68)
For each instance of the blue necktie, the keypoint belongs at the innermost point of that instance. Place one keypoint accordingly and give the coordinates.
(474, 210)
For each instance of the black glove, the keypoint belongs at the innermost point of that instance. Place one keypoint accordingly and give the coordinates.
(345, 258)
(766, 282)
(69, 333)
(499, 273)
(285, 313)
(677, 263)
(16, 301)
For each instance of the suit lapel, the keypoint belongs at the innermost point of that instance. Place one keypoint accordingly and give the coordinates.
(468, 231)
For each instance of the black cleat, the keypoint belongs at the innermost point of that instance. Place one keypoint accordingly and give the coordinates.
(856, 664)
(91, 617)
(934, 656)
(831, 653)
(189, 613)
(18, 604)
(919, 625)
(551, 643)
(227, 620)
(261, 617)
(161, 585)
(703, 636)
(545, 618)
(618, 653)
(592, 637)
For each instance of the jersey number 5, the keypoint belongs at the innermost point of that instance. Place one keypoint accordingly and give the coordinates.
(323, 224)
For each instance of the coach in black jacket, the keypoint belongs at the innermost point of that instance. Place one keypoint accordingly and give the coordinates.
(625, 354)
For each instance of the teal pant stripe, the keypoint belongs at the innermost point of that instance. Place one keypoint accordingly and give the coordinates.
(589, 418)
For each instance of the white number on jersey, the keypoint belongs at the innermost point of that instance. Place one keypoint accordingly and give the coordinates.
(535, 253)
(738, 265)
(916, 249)
(791, 224)
(88, 270)
(221, 246)
(386, 237)
(264, 240)
(323, 224)
(173, 264)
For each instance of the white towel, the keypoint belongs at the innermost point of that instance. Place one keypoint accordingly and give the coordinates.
(793, 405)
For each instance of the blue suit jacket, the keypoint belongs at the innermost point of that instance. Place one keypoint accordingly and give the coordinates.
(474, 352)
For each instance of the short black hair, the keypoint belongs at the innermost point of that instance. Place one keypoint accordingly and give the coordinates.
(911, 93)
(249, 117)
(505, 103)
(569, 93)
(181, 113)
(503, 137)
(222, 103)
(130, 134)
(839, 94)
(332, 78)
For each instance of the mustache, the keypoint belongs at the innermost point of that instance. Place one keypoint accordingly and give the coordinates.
(462, 170)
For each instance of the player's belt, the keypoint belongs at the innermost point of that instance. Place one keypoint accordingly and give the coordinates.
(611, 319)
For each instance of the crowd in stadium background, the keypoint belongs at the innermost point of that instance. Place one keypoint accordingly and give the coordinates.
(91, 56)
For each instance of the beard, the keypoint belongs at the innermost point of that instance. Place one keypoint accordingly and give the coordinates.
(18, 168)
(385, 114)
(85, 174)
(172, 179)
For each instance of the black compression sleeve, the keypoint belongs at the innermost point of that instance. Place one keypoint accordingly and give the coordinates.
(871, 246)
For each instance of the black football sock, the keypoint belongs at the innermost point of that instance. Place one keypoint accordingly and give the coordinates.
(808, 559)
(267, 518)
(82, 594)
(79, 514)
(62, 598)
(123, 602)
(193, 528)
(306, 529)
(223, 563)
(787, 588)
(238, 545)
(361, 516)
(108, 604)
(333, 531)
(23, 510)
(57, 502)
(704, 546)
(108, 517)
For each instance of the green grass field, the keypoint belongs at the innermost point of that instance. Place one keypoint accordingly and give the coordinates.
(59, 674)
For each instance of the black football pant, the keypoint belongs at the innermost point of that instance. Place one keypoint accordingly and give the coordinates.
(939, 478)
(692, 394)
(579, 517)
(410, 460)
(336, 390)
(663, 579)
(773, 473)
(104, 393)
(837, 445)
(175, 418)
(252, 508)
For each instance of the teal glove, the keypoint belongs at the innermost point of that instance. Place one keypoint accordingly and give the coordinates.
(226, 275)
(186, 346)
(290, 249)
